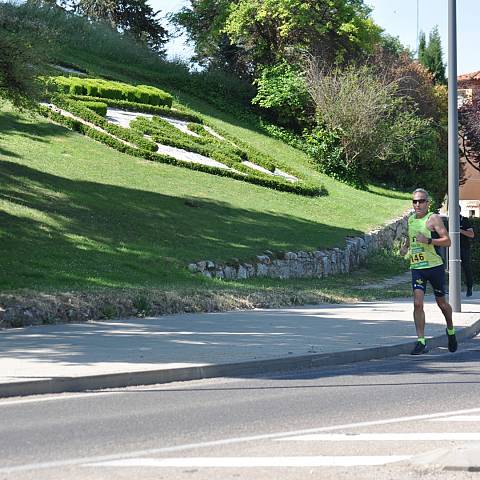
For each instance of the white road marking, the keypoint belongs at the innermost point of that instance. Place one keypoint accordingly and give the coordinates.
(249, 462)
(228, 441)
(458, 418)
(380, 437)
(68, 396)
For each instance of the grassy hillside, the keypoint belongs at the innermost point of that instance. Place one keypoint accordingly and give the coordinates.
(77, 215)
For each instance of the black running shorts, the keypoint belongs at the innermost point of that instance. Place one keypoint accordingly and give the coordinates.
(434, 275)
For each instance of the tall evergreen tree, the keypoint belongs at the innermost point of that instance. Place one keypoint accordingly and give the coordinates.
(432, 57)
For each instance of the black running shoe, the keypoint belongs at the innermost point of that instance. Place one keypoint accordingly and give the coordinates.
(419, 349)
(452, 343)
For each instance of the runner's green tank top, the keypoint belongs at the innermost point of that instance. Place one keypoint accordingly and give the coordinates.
(422, 255)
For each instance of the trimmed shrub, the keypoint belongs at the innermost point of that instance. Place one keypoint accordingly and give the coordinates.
(98, 107)
(88, 115)
(144, 94)
(77, 89)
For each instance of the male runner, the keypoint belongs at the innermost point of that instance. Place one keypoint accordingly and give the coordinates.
(427, 266)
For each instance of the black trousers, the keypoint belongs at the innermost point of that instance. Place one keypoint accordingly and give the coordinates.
(466, 257)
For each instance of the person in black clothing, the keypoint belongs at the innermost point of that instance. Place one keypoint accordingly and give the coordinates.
(466, 236)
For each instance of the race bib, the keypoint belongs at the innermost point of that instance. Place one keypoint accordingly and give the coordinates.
(418, 258)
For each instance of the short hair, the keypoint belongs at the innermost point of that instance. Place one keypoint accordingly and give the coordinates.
(421, 190)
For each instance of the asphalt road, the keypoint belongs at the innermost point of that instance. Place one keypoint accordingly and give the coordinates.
(377, 418)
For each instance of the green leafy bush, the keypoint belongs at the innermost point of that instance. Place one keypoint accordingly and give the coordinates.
(98, 107)
(325, 150)
(283, 93)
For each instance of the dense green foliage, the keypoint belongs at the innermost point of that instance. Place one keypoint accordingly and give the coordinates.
(243, 36)
(283, 93)
(390, 120)
(25, 47)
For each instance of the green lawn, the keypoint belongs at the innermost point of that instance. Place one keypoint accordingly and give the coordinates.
(75, 214)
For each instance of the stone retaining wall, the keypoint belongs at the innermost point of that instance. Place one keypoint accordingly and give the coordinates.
(318, 264)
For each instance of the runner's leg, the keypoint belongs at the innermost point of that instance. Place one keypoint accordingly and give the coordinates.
(418, 312)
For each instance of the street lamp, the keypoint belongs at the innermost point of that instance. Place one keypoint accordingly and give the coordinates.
(454, 279)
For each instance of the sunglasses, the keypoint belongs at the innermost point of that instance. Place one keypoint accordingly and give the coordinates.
(420, 201)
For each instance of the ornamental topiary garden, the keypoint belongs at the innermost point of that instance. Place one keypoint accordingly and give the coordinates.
(88, 100)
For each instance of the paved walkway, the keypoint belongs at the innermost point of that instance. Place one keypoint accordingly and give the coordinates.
(179, 347)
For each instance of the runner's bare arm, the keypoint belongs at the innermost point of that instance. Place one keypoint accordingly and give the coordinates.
(439, 227)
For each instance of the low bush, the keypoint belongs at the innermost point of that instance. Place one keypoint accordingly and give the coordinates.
(97, 87)
(98, 107)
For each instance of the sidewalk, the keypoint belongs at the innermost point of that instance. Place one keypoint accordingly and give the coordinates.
(116, 353)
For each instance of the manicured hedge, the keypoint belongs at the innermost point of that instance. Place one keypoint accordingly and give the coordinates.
(97, 87)
(163, 132)
(99, 108)
(173, 112)
(300, 188)
(127, 134)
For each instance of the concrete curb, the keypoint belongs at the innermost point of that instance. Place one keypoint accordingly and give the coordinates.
(240, 369)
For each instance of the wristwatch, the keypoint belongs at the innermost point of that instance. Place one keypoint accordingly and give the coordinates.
(430, 241)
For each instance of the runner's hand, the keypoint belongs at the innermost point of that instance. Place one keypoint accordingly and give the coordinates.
(422, 238)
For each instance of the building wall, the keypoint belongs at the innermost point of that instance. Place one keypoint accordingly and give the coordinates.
(469, 88)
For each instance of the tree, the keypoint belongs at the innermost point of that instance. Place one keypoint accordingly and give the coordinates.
(25, 46)
(431, 56)
(268, 32)
(204, 22)
(133, 17)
